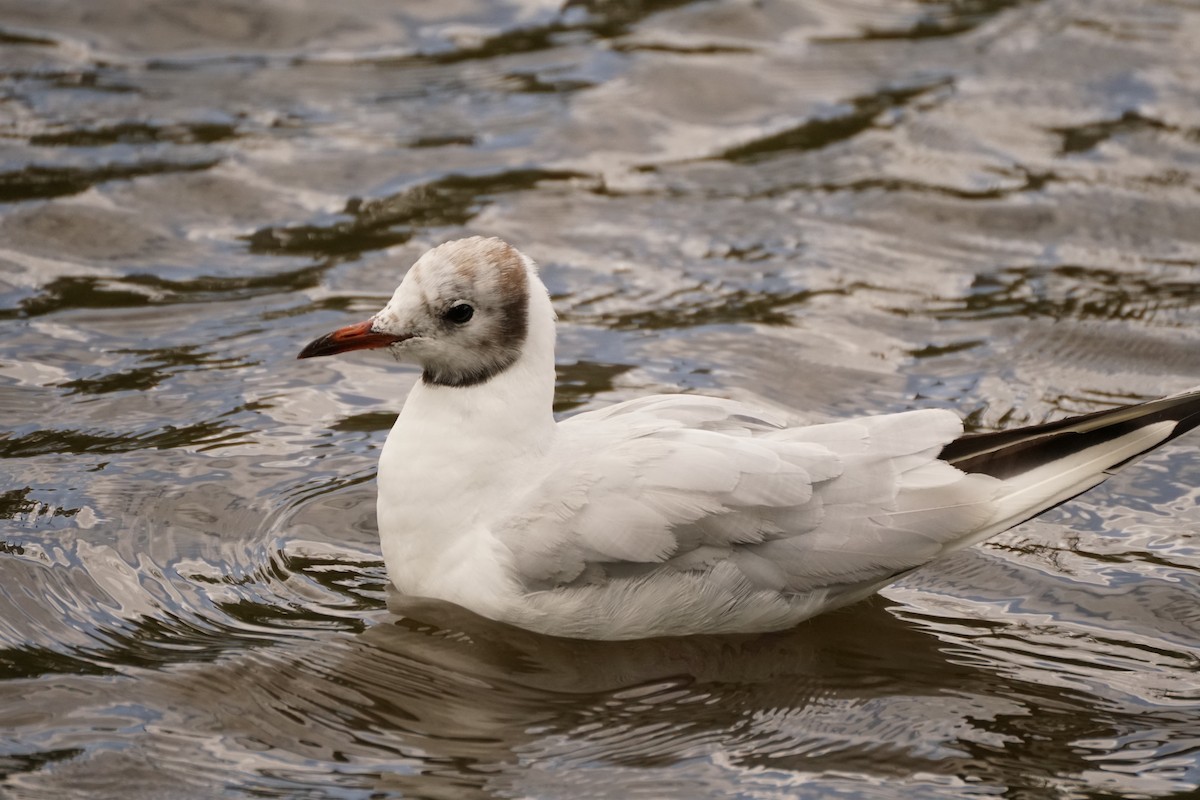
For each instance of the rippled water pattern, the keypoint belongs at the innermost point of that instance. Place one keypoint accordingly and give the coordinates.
(846, 207)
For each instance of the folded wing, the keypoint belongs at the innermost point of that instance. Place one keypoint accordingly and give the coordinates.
(683, 485)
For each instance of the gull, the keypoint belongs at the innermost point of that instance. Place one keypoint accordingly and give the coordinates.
(674, 514)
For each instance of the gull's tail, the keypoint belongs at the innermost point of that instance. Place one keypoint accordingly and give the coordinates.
(1044, 465)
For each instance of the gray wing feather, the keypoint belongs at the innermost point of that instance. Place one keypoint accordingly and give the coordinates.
(687, 484)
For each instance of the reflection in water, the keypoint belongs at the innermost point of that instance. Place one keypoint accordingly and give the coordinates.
(476, 709)
(843, 208)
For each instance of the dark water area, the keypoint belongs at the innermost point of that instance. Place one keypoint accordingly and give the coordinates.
(842, 207)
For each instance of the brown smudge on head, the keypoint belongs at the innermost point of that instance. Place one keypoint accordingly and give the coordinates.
(474, 258)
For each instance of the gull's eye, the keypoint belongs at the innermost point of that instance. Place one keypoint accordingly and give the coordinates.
(459, 313)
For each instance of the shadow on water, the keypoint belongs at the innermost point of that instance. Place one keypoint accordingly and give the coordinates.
(602, 19)
(138, 133)
(1069, 291)
(142, 290)
(155, 366)
(41, 182)
(849, 120)
(379, 223)
(938, 19)
(58, 441)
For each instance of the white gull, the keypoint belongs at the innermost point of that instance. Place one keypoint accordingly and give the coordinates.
(674, 514)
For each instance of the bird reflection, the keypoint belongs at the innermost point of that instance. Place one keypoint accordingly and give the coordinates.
(437, 702)
(430, 700)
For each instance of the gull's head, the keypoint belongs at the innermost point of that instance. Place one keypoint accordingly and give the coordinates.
(461, 313)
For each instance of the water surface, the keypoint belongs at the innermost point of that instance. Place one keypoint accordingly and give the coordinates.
(846, 208)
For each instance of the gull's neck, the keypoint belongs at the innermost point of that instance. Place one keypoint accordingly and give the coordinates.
(455, 457)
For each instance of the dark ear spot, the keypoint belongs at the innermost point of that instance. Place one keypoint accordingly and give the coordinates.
(514, 319)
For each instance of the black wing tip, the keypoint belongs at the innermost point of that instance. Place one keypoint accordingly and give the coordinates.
(1003, 454)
